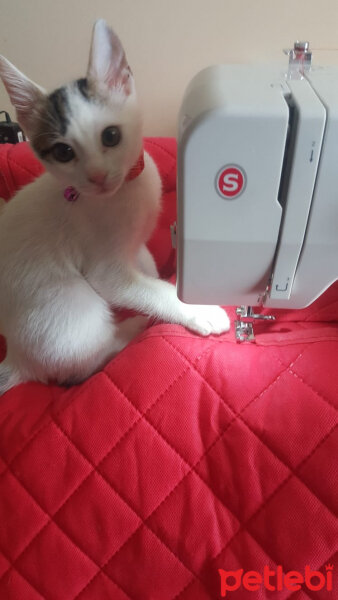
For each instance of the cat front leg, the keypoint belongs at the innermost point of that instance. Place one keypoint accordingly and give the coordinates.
(158, 299)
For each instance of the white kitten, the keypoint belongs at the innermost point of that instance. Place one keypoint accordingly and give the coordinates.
(64, 265)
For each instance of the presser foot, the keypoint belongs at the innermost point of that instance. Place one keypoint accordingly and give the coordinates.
(244, 330)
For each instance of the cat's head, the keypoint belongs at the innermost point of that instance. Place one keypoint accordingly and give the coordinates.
(87, 133)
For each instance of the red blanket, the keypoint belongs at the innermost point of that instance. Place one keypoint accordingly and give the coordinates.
(184, 456)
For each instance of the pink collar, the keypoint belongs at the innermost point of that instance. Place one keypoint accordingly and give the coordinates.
(71, 194)
(137, 168)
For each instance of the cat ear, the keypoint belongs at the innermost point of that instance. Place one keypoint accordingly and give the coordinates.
(108, 67)
(23, 92)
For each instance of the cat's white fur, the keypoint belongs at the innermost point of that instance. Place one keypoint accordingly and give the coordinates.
(64, 266)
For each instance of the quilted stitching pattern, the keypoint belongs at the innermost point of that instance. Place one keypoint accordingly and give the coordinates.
(183, 456)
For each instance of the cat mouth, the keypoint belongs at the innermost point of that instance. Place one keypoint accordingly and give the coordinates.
(106, 189)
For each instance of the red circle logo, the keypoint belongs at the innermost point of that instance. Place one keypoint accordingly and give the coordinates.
(230, 181)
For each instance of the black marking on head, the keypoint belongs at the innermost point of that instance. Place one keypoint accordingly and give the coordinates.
(58, 109)
(51, 121)
(83, 87)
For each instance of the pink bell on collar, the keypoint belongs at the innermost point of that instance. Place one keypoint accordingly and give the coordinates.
(71, 194)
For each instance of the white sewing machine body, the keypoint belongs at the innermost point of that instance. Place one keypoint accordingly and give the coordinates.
(258, 186)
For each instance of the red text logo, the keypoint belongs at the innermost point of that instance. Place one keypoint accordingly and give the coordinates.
(275, 580)
(230, 181)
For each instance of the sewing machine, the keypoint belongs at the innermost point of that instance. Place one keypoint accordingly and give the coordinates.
(257, 219)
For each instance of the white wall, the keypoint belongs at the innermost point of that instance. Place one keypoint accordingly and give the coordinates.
(167, 41)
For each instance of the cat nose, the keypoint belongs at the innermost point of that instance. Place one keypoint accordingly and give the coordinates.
(98, 177)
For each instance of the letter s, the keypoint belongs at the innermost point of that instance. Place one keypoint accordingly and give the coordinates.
(230, 182)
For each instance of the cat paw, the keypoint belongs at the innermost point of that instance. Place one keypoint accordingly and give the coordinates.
(208, 319)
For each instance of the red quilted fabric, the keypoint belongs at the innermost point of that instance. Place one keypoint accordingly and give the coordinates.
(185, 455)
(18, 166)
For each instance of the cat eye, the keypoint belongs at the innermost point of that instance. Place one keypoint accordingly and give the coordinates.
(111, 136)
(62, 153)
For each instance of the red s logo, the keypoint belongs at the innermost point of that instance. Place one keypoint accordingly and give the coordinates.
(230, 181)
